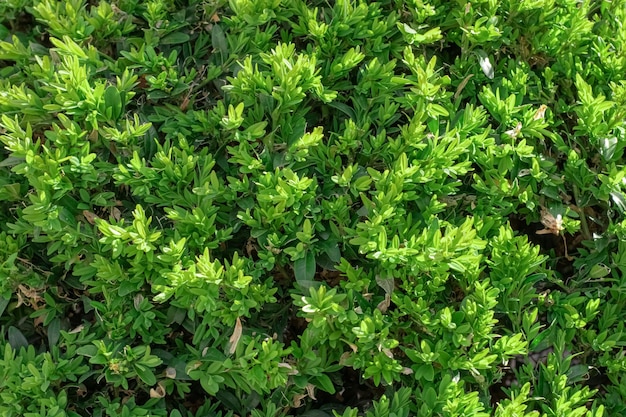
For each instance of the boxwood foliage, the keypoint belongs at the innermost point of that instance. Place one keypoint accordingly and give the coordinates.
(317, 208)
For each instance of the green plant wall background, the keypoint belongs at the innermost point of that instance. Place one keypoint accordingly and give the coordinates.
(316, 208)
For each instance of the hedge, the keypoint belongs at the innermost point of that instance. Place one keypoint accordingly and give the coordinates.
(312, 208)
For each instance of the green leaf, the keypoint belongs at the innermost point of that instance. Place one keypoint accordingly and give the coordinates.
(90, 351)
(542, 341)
(4, 302)
(229, 400)
(54, 331)
(209, 384)
(304, 268)
(175, 38)
(323, 382)
(425, 371)
(315, 413)
(113, 101)
(430, 397)
(145, 374)
(4, 32)
(11, 161)
(344, 108)
(218, 40)
(17, 339)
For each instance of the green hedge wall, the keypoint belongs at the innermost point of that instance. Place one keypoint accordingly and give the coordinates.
(312, 208)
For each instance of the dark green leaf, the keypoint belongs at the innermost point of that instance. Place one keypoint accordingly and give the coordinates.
(4, 302)
(90, 351)
(146, 374)
(4, 32)
(304, 268)
(175, 38)
(425, 371)
(323, 382)
(229, 400)
(16, 338)
(54, 331)
(218, 40)
(315, 413)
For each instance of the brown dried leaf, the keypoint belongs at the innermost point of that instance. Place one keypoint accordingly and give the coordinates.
(137, 301)
(514, 133)
(250, 247)
(384, 305)
(116, 213)
(39, 320)
(461, 86)
(297, 400)
(387, 284)
(310, 389)
(20, 300)
(540, 112)
(553, 225)
(185, 103)
(388, 353)
(158, 392)
(285, 365)
(90, 217)
(81, 391)
(234, 339)
(407, 371)
(170, 372)
(77, 329)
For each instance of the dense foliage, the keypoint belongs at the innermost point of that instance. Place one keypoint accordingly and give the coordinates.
(321, 208)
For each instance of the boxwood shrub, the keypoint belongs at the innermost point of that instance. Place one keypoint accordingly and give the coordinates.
(312, 208)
